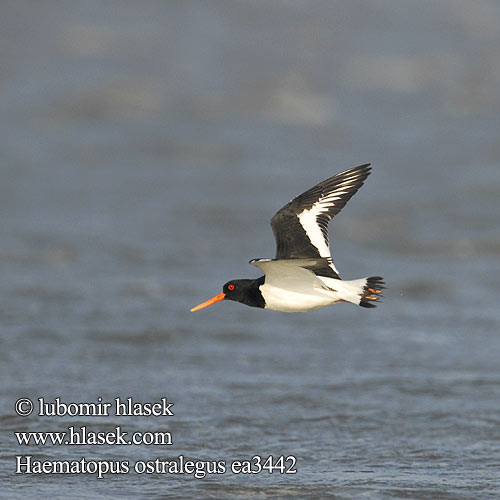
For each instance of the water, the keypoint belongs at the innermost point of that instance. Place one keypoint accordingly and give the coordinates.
(144, 149)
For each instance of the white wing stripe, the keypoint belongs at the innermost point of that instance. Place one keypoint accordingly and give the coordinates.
(308, 217)
(307, 220)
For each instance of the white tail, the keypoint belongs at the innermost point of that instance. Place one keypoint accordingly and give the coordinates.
(363, 292)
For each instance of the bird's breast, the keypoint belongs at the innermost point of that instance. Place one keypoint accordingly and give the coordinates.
(287, 300)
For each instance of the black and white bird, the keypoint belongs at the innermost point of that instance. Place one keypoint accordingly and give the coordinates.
(303, 276)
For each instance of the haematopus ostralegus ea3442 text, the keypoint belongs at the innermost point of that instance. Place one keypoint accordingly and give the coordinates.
(303, 276)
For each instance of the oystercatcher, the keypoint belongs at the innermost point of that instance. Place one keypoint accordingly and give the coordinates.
(303, 277)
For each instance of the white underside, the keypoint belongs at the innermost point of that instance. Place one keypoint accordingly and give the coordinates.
(291, 288)
(279, 299)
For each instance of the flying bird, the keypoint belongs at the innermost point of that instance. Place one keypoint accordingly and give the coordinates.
(302, 276)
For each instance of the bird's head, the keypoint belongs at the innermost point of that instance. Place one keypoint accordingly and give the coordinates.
(245, 291)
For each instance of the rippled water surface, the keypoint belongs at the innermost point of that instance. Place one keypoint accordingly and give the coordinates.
(144, 147)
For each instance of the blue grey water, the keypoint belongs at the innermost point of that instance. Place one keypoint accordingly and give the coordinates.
(144, 147)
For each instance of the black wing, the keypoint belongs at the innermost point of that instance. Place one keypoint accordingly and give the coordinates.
(301, 226)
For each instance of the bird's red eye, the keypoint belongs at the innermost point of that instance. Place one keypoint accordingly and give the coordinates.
(230, 287)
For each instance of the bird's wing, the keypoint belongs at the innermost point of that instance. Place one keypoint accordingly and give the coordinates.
(301, 226)
(293, 274)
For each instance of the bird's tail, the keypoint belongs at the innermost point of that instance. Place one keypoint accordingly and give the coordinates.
(372, 291)
(364, 292)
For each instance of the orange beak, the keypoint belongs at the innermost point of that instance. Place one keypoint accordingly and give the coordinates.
(217, 298)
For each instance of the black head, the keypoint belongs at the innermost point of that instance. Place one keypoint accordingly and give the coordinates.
(245, 291)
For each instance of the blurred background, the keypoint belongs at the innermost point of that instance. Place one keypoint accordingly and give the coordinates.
(144, 147)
